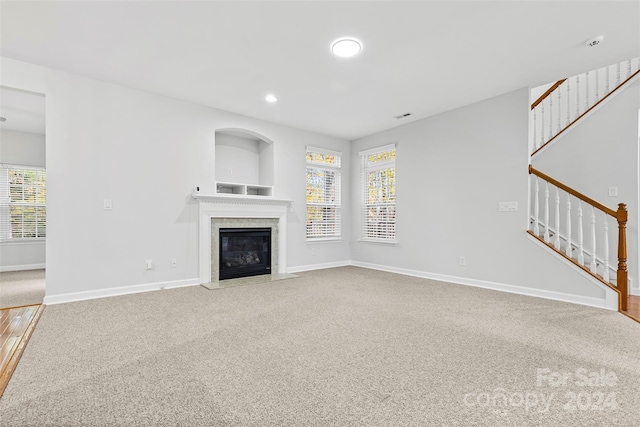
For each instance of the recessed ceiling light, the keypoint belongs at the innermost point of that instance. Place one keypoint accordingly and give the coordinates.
(346, 47)
(3, 119)
(270, 98)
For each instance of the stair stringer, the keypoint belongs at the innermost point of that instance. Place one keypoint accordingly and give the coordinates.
(611, 296)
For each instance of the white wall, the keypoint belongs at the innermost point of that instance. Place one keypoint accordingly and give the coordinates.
(267, 162)
(452, 170)
(25, 149)
(602, 152)
(22, 148)
(106, 141)
(237, 159)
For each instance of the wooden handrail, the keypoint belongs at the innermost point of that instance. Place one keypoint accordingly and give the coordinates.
(573, 192)
(547, 93)
(621, 215)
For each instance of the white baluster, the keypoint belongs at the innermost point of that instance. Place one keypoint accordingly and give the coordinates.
(535, 136)
(580, 235)
(542, 123)
(568, 250)
(618, 74)
(606, 86)
(577, 96)
(536, 209)
(556, 240)
(586, 97)
(629, 69)
(568, 103)
(597, 88)
(559, 112)
(605, 273)
(546, 212)
(592, 265)
(550, 116)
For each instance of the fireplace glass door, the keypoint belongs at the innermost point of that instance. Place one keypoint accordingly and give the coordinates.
(244, 252)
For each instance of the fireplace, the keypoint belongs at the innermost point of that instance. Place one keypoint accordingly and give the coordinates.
(244, 252)
(216, 212)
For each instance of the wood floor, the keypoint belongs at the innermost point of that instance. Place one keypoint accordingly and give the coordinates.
(633, 307)
(16, 326)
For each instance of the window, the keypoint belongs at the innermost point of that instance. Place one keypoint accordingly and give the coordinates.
(378, 175)
(23, 198)
(323, 194)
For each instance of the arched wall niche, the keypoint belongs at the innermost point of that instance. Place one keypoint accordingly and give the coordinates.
(243, 156)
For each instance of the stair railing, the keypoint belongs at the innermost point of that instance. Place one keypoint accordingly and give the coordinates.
(561, 226)
(568, 100)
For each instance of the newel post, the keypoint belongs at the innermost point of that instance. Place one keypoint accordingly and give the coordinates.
(622, 277)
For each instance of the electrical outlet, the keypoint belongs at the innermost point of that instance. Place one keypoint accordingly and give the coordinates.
(462, 261)
(313, 251)
(149, 264)
(229, 171)
(174, 263)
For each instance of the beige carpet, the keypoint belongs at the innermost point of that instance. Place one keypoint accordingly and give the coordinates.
(338, 347)
(18, 288)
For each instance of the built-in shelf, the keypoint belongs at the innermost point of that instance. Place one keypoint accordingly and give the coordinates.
(244, 189)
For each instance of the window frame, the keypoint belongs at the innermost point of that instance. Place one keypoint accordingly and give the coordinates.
(6, 205)
(336, 205)
(365, 168)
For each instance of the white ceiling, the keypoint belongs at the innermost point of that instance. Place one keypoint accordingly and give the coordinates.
(23, 110)
(422, 57)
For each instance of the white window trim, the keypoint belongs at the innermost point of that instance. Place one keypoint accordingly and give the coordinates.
(381, 165)
(5, 201)
(388, 242)
(330, 168)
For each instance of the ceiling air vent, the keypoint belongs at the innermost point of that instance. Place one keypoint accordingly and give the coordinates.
(402, 116)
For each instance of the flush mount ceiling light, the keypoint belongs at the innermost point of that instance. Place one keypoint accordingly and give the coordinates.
(346, 47)
(594, 41)
(270, 98)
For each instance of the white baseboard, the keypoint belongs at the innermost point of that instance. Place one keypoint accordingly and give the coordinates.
(539, 293)
(22, 267)
(122, 290)
(312, 267)
(606, 303)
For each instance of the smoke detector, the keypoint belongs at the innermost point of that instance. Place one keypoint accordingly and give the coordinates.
(594, 41)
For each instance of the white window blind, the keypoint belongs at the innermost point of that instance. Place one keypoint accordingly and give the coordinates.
(23, 202)
(323, 193)
(378, 178)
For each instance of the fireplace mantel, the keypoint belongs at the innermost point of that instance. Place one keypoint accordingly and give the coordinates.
(238, 206)
(239, 197)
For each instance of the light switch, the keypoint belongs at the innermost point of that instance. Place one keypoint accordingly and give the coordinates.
(108, 205)
(613, 191)
(507, 206)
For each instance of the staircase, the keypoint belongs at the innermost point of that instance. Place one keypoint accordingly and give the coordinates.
(581, 230)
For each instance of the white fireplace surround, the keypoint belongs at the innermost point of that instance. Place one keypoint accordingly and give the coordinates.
(217, 206)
